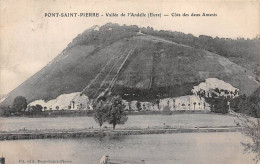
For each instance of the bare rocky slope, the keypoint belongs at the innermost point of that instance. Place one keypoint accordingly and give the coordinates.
(136, 65)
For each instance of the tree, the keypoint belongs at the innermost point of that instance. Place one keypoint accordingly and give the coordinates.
(138, 106)
(251, 129)
(236, 102)
(19, 104)
(5, 110)
(218, 105)
(144, 107)
(217, 90)
(116, 114)
(194, 105)
(36, 109)
(100, 112)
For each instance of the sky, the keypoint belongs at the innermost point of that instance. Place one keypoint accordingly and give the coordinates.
(28, 40)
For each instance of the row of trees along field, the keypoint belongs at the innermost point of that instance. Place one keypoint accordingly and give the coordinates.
(247, 105)
(109, 109)
(19, 108)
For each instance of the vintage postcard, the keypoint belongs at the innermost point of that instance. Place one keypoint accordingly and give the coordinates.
(129, 82)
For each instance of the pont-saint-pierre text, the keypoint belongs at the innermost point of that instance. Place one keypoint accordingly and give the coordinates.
(130, 14)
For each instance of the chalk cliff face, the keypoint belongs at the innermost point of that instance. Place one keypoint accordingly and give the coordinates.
(133, 63)
(72, 101)
(215, 86)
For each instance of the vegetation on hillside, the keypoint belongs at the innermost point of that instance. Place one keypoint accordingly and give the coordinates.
(106, 35)
(248, 105)
(244, 52)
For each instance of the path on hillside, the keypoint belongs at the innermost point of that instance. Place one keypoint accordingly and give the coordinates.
(101, 71)
(112, 82)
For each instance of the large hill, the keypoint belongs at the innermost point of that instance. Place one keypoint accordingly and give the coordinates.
(142, 64)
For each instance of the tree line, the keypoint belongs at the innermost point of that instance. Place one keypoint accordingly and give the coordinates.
(111, 109)
(106, 110)
(247, 105)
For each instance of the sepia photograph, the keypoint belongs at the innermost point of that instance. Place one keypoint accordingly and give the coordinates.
(129, 82)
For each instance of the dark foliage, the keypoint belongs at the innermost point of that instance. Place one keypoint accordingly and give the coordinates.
(138, 105)
(5, 111)
(249, 105)
(116, 114)
(218, 104)
(36, 109)
(19, 104)
(101, 112)
(110, 111)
